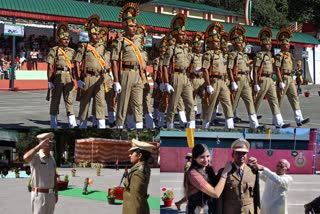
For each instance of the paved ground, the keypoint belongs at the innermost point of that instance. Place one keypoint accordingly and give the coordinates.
(304, 189)
(14, 197)
(29, 109)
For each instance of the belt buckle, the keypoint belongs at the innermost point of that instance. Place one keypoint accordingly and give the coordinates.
(135, 67)
(51, 191)
(65, 68)
(96, 73)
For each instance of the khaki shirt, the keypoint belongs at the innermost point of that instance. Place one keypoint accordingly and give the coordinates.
(128, 54)
(214, 58)
(243, 61)
(43, 171)
(91, 61)
(196, 62)
(156, 64)
(266, 58)
(284, 60)
(54, 57)
(180, 54)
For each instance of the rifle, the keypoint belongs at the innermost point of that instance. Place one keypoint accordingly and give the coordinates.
(83, 62)
(52, 75)
(235, 74)
(259, 72)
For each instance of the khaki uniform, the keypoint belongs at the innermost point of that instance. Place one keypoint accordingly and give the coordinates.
(266, 82)
(284, 61)
(243, 81)
(130, 81)
(221, 92)
(62, 80)
(136, 190)
(93, 77)
(157, 63)
(43, 175)
(180, 82)
(239, 194)
(196, 76)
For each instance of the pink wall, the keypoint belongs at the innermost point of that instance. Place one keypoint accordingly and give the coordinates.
(173, 159)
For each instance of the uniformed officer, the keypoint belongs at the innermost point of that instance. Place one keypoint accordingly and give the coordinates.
(241, 192)
(284, 66)
(107, 82)
(239, 74)
(43, 175)
(90, 64)
(137, 179)
(60, 77)
(298, 75)
(195, 68)
(262, 78)
(126, 64)
(214, 69)
(180, 85)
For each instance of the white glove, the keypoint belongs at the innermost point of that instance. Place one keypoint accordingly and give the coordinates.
(210, 89)
(50, 85)
(234, 86)
(168, 88)
(282, 85)
(162, 87)
(155, 85)
(117, 87)
(257, 88)
(81, 84)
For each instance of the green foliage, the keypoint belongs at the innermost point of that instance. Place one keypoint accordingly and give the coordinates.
(168, 194)
(66, 178)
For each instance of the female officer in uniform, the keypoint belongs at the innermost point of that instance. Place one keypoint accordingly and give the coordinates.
(137, 179)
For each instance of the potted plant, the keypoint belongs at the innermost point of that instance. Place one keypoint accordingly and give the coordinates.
(16, 171)
(73, 172)
(167, 197)
(307, 93)
(63, 184)
(111, 196)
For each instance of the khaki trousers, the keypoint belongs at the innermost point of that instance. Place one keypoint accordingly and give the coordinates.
(220, 94)
(132, 90)
(198, 88)
(94, 88)
(267, 88)
(291, 92)
(245, 92)
(182, 89)
(42, 203)
(63, 85)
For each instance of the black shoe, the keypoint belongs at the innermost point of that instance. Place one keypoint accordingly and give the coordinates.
(305, 121)
(219, 114)
(111, 125)
(237, 120)
(215, 122)
(262, 127)
(259, 117)
(285, 125)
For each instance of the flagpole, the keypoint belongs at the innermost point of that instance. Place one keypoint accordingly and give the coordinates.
(294, 138)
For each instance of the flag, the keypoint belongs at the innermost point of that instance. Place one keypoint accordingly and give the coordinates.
(269, 134)
(244, 131)
(190, 137)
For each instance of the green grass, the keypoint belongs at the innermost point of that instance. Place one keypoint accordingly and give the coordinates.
(154, 202)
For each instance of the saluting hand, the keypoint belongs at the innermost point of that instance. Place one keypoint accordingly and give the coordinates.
(44, 144)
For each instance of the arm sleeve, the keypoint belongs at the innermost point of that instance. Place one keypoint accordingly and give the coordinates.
(79, 54)
(51, 56)
(231, 58)
(115, 49)
(197, 180)
(257, 60)
(206, 60)
(278, 60)
(282, 181)
(167, 57)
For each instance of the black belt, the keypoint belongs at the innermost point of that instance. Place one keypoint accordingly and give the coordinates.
(243, 72)
(134, 67)
(267, 75)
(180, 70)
(94, 73)
(63, 69)
(217, 77)
(196, 75)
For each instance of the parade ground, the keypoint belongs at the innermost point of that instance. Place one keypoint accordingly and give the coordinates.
(29, 109)
(303, 190)
(15, 198)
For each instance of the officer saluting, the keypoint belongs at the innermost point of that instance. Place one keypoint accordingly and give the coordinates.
(60, 77)
(137, 179)
(90, 63)
(284, 66)
(43, 175)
